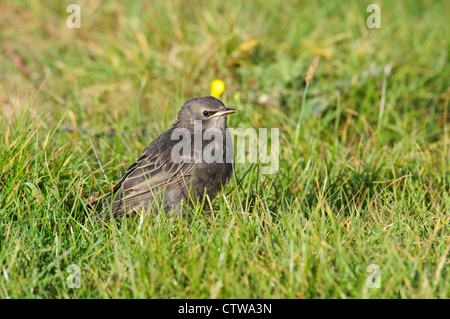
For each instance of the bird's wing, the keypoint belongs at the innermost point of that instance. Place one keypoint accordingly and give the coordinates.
(152, 173)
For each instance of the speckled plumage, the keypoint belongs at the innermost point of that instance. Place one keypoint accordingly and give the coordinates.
(155, 179)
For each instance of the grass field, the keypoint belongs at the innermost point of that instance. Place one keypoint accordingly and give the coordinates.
(367, 181)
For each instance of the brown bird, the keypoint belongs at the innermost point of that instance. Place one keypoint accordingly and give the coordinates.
(181, 166)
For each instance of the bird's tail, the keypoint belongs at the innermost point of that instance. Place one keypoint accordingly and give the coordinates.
(111, 208)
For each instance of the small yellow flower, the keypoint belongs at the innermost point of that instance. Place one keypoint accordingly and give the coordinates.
(217, 88)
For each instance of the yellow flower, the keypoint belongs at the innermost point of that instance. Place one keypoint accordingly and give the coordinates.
(217, 88)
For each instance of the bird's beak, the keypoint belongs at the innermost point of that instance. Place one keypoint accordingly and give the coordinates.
(225, 111)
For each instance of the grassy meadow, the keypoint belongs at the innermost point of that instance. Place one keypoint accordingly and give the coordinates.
(364, 160)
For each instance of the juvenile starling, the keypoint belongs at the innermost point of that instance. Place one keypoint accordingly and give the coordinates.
(181, 166)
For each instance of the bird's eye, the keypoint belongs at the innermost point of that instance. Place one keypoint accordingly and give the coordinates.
(205, 113)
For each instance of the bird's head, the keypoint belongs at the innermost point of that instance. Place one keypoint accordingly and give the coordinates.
(209, 110)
